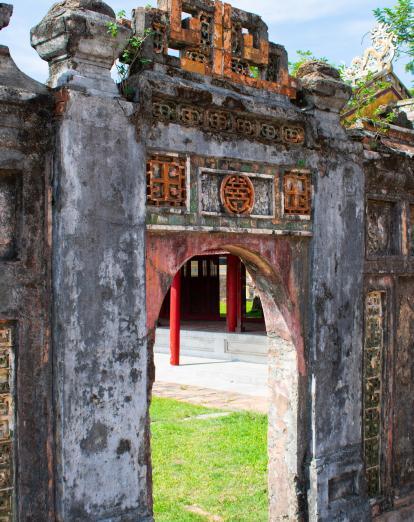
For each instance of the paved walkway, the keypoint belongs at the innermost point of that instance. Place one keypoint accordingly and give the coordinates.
(226, 385)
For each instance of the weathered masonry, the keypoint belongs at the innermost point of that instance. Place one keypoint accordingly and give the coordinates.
(104, 198)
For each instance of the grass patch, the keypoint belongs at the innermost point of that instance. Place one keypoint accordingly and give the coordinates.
(216, 464)
(249, 313)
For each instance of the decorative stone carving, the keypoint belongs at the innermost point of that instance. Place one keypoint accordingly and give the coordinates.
(73, 37)
(211, 175)
(373, 362)
(227, 122)
(377, 58)
(10, 195)
(380, 217)
(293, 135)
(237, 194)
(159, 29)
(6, 425)
(216, 40)
(166, 182)
(297, 194)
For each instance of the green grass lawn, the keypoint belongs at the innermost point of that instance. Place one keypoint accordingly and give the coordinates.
(249, 313)
(218, 465)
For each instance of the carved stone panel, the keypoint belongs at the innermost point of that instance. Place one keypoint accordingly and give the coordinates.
(373, 364)
(404, 386)
(297, 194)
(233, 124)
(6, 423)
(381, 228)
(412, 230)
(166, 182)
(235, 193)
(9, 215)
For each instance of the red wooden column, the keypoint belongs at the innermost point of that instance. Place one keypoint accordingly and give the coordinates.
(175, 319)
(232, 292)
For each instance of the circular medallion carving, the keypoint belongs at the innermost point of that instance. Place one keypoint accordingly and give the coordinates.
(237, 194)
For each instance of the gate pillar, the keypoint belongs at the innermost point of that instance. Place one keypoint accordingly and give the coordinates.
(98, 265)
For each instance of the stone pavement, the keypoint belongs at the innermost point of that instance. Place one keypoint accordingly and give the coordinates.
(227, 385)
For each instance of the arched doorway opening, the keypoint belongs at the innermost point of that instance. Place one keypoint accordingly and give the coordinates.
(213, 295)
(271, 263)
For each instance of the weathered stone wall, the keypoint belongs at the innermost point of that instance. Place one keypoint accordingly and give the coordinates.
(387, 374)
(99, 313)
(25, 299)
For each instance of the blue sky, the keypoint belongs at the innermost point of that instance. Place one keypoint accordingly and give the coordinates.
(331, 28)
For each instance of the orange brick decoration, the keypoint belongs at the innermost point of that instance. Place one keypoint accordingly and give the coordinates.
(297, 194)
(216, 40)
(237, 194)
(6, 424)
(166, 182)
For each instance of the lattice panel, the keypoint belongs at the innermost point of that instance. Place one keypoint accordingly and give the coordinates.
(166, 182)
(6, 424)
(297, 194)
(373, 362)
(159, 37)
(216, 40)
(227, 122)
(237, 194)
(380, 228)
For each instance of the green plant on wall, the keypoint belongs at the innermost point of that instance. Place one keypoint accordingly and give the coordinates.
(364, 94)
(130, 55)
(304, 57)
(363, 97)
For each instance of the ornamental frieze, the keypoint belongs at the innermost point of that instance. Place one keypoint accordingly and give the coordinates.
(227, 122)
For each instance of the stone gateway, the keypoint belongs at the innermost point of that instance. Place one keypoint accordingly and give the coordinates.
(210, 147)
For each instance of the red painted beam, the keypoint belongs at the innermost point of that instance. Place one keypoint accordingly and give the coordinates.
(232, 292)
(175, 319)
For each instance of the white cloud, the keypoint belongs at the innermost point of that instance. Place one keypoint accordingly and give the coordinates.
(271, 10)
(296, 10)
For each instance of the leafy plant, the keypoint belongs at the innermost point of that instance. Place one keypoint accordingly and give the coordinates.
(304, 57)
(254, 72)
(362, 100)
(363, 97)
(400, 19)
(130, 55)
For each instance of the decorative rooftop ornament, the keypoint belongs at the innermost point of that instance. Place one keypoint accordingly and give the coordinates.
(376, 58)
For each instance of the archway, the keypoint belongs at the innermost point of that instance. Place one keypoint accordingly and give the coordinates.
(275, 265)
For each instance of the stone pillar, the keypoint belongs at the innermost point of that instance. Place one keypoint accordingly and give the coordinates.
(283, 439)
(99, 314)
(337, 489)
(26, 417)
(75, 40)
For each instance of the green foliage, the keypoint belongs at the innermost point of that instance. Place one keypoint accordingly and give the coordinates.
(131, 54)
(304, 57)
(363, 97)
(364, 94)
(218, 464)
(254, 72)
(400, 18)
